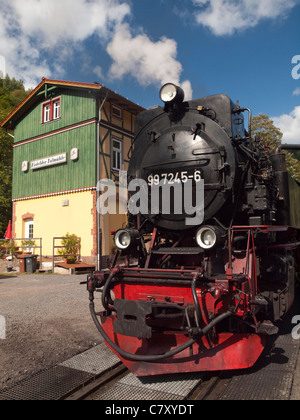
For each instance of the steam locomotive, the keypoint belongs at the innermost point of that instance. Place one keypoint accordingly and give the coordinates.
(199, 287)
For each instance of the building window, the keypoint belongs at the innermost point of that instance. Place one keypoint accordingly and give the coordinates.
(29, 224)
(51, 111)
(56, 109)
(29, 227)
(46, 113)
(30, 231)
(116, 112)
(117, 155)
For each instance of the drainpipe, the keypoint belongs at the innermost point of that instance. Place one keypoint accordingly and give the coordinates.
(99, 233)
(12, 213)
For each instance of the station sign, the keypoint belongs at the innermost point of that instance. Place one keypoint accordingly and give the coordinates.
(48, 161)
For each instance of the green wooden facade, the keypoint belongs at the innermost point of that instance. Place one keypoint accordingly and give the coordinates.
(75, 128)
(71, 175)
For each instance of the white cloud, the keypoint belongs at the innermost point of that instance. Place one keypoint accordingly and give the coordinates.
(148, 61)
(2, 66)
(225, 17)
(34, 29)
(98, 72)
(296, 92)
(289, 125)
(67, 20)
(41, 37)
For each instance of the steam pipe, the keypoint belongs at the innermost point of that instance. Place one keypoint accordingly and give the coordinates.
(99, 234)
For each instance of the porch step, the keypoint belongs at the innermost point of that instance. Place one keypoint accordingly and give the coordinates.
(45, 266)
(79, 268)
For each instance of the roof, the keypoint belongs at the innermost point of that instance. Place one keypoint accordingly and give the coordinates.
(48, 84)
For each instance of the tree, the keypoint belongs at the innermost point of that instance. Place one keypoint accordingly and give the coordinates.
(263, 127)
(12, 92)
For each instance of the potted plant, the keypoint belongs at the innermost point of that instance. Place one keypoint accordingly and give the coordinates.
(28, 244)
(71, 259)
(70, 245)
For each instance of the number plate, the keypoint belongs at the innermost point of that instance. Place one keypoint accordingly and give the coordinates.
(171, 178)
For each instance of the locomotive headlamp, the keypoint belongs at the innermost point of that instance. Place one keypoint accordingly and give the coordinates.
(208, 236)
(125, 238)
(171, 93)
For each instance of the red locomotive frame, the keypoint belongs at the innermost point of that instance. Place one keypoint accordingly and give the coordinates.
(230, 298)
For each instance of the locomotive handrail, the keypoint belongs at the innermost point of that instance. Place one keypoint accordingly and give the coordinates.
(134, 140)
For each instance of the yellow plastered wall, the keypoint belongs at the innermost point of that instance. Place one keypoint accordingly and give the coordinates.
(51, 219)
(108, 224)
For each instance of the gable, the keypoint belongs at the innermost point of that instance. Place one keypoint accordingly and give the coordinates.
(74, 107)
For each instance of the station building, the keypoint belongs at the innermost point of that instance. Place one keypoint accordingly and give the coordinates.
(67, 136)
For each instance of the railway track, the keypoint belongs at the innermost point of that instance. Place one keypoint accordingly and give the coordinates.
(98, 384)
(206, 389)
(120, 384)
(98, 375)
(116, 383)
(210, 389)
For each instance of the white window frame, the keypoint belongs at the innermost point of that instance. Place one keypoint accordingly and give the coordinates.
(47, 112)
(51, 110)
(56, 109)
(29, 232)
(116, 112)
(116, 154)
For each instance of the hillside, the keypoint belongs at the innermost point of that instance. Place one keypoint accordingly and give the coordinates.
(12, 92)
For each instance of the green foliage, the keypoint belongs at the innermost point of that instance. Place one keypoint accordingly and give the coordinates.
(70, 244)
(28, 243)
(7, 247)
(12, 92)
(264, 128)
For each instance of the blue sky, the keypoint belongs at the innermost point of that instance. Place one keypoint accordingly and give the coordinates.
(243, 48)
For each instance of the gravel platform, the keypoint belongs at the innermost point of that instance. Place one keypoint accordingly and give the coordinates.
(47, 322)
